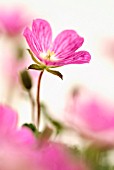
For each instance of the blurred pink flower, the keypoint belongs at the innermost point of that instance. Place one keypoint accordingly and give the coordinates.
(61, 51)
(12, 21)
(16, 145)
(92, 118)
(14, 67)
(54, 156)
(19, 150)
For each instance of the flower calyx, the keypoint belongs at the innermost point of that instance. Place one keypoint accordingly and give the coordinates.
(41, 67)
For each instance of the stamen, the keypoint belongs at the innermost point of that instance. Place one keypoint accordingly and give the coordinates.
(49, 55)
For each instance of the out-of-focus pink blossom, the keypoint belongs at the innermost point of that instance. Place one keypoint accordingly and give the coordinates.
(93, 118)
(54, 156)
(12, 21)
(19, 149)
(13, 66)
(58, 53)
(17, 146)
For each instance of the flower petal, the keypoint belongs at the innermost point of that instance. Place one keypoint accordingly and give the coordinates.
(32, 42)
(25, 136)
(77, 58)
(97, 117)
(12, 21)
(43, 33)
(63, 159)
(8, 120)
(66, 42)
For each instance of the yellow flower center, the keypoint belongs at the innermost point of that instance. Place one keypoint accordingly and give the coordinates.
(49, 55)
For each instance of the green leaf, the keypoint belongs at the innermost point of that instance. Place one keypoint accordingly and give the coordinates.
(57, 125)
(57, 73)
(96, 157)
(26, 79)
(36, 67)
(32, 56)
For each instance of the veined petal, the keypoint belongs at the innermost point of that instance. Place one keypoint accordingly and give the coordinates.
(77, 58)
(43, 33)
(80, 57)
(66, 42)
(32, 42)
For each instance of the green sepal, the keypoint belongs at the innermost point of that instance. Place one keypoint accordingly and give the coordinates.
(36, 67)
(58, 126)
(32, 56)
(26, 79)
(52, 67)
(57, 73)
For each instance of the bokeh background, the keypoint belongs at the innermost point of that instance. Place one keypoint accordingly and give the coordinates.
(93, 20)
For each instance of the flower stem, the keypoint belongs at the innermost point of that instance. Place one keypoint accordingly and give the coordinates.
(32, 105)
(38, 99)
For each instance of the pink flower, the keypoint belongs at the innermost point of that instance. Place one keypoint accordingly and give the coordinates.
(54, 156)
(12, 21)
(17, 146)
(92, 118)
(58, 53)
(14, 67)
(19, 150)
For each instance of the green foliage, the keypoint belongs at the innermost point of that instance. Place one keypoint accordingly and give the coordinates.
(26, 79)
(96, 158)
(32, 56)
(57, 73)
(36, 67)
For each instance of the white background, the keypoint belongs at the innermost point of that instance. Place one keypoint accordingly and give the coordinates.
(93, 20)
